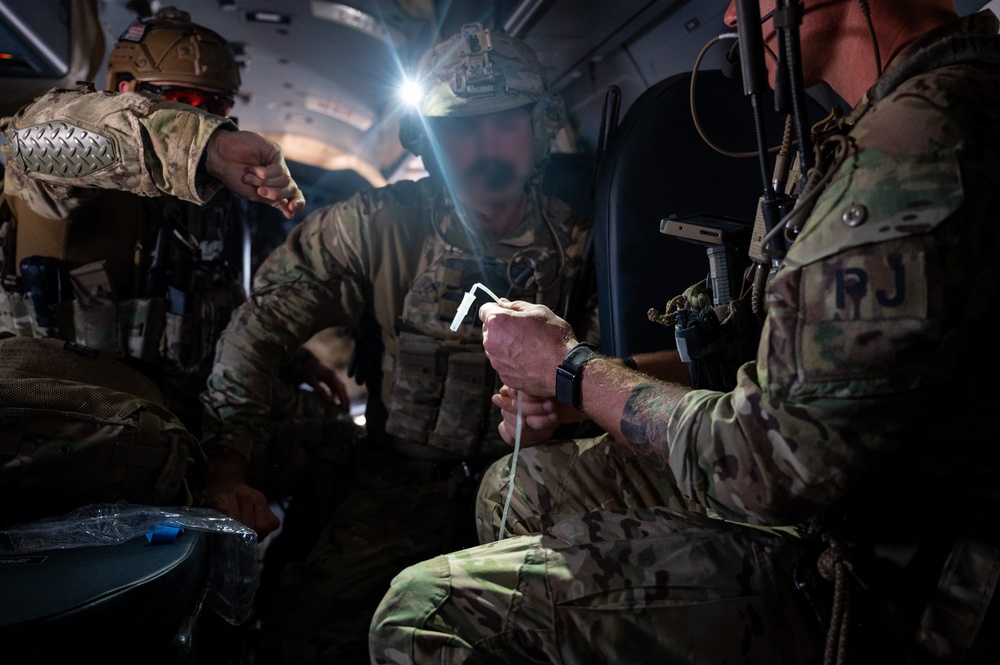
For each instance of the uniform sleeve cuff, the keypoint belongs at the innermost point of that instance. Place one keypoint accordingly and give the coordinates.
(219, 445)
(183, 172)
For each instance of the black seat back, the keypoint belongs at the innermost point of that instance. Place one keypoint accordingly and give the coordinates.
(656, 165)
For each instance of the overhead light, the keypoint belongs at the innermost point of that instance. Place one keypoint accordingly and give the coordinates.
(267, 17)
(411, 93)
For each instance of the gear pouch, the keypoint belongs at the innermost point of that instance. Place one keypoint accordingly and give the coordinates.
(417, 387)
(468, 385)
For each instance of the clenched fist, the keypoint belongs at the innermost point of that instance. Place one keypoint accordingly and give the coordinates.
(252, 166)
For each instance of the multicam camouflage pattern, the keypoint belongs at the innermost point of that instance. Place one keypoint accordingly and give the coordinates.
(478, 72)
(402, 255)
(557, 480)
(164, 164)
(440, 397)
(867, 319)
(84, 217)
(878, 335)
(440, 391)
(619, 586)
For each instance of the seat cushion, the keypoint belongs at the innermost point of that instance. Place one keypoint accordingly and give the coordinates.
(121, 597)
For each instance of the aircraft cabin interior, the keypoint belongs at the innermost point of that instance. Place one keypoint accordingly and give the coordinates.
(312, 319)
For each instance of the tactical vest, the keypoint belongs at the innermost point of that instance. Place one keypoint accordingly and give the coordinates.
(437, 383)
(142, 278)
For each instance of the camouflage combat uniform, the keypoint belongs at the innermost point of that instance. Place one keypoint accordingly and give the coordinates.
(143, 172)
(91, 212)
(870, 405)
(396, 263)
(400, 257)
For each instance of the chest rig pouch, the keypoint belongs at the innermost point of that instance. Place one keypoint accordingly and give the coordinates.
(139, 278)
(184, 291)
(201, 288)
(442, 383)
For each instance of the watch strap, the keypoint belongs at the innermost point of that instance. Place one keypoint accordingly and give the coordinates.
(569, 375)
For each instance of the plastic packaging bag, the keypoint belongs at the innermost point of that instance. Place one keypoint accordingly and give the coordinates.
(233, 574)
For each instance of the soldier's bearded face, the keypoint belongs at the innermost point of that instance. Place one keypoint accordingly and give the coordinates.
(488, 158)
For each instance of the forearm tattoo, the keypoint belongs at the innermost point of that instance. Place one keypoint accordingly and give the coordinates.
(644, 422)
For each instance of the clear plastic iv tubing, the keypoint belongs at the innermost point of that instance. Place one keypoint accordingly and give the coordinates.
(463, 310)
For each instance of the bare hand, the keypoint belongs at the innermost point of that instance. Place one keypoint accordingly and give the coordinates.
(228, 493)
(538, 413)
(539, 417)
(525, 343)
(325, 382)
(253, 167)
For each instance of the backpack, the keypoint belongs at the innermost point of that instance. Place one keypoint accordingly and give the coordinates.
(78, 427)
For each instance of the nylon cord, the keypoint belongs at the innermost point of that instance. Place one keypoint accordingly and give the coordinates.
(463, 309)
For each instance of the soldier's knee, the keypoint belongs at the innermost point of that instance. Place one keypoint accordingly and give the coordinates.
(398, 623)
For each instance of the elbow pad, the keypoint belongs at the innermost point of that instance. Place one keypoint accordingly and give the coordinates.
(60, 149)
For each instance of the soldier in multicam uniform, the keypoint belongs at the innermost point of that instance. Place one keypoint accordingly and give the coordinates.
(866, 420)
(156, 276)
(396, 262)
(160, 243)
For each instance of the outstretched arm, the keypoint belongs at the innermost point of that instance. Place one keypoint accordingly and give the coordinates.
(67, 144)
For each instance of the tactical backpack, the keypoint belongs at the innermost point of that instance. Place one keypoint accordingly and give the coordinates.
(78, 427)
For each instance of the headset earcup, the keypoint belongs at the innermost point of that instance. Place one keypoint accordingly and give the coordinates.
(412, 135)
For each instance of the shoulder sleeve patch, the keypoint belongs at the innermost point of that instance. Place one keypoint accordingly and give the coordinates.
(866, 325)
(867, 287)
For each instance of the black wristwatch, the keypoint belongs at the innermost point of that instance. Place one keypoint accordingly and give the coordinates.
(569, 375)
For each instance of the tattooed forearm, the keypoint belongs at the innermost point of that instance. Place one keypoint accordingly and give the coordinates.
(644, 421)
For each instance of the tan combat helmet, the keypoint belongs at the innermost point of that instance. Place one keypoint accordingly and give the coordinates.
(478, 72)
(169, 47)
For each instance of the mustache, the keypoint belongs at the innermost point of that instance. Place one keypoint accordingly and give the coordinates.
(494, 173)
